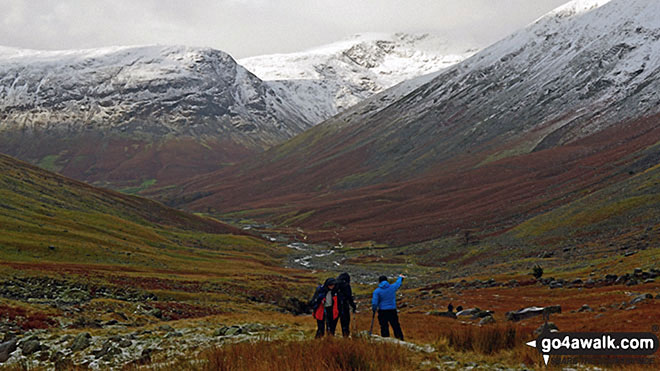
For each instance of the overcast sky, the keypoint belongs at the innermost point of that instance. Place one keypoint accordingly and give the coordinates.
(252, 27)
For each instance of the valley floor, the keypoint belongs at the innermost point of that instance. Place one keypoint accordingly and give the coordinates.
(88, 319)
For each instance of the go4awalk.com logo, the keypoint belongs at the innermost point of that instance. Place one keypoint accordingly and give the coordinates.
(595, 344)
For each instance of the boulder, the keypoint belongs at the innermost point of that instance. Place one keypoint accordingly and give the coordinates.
(468, 312)
(556, 285)
(487, 320)
(443, 314)
(107, 351)
(228, 331)
(530, 312)
(585, 308)
(30, 346)
(81, 342)
(546, 327)
(6, 349)
(234, 330)
(641, 298)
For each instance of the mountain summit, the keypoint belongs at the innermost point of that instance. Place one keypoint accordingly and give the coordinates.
(136, 113)
(329, 79)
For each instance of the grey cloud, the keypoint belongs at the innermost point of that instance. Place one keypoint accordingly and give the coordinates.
(251, 27)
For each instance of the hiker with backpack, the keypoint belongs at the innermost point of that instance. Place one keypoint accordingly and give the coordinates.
(325, 307)
(384, 301)
(346, 302)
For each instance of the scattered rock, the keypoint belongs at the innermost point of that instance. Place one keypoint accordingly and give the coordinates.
(166, 328)
(174, 334)
(487, 320)
(81, 342)
(30, 346)
(468, 312)
(411, 346)
(253, 327)
(443, 314)
(630, 253)
(532, 312)
(228, 331)
(73, 296)
(107, 351)
(548, 326)
(6, 349)
(556, 285)
(641, 298)
(585, 308)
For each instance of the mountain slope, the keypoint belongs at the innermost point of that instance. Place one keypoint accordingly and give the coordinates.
(559, 108)
(117, 114)
(51, 224)
(326, 80)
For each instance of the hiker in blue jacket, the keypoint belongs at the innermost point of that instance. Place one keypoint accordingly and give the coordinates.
(384, 301)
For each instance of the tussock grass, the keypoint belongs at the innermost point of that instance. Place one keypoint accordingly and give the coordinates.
(322, 354)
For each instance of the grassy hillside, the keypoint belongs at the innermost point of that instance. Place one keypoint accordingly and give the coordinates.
(63, 230)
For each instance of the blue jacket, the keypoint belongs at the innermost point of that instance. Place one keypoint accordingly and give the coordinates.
(385, 295)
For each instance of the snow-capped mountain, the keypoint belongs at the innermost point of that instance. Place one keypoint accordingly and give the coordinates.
(127, 116)
(329, 79)
(561, 108)
(152, 90)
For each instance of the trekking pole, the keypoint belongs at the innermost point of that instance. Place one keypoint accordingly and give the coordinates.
(371, 329)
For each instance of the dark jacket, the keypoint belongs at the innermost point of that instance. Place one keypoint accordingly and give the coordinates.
(321, 292)
(345, 293)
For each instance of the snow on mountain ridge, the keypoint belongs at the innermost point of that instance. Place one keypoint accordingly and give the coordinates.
(152, 89)
(327, 79)
(578, 6)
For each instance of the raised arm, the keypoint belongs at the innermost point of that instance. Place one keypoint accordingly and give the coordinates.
(398, 283)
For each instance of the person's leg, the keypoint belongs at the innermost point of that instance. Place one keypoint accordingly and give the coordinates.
(320, 328)
(396, 326)
(333, 325)
(345, 318)
(384, 326)
(330, 323)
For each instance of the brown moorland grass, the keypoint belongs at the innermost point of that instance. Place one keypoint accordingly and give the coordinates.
(325, 354)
